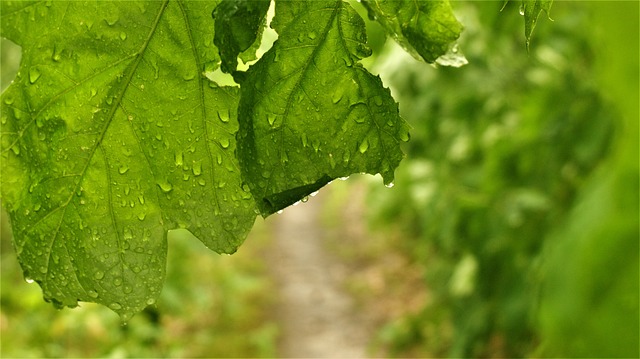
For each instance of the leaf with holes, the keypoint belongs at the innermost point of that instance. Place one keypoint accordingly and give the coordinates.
(111, 136)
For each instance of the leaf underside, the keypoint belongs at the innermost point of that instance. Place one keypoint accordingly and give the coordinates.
(111, 136)
(309, 112)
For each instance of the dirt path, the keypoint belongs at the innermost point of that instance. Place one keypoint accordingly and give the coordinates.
(318, 318)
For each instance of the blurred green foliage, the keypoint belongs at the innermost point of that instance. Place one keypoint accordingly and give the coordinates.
(210, 306)
(500, 150)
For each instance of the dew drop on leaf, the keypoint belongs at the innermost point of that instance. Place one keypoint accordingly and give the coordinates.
(93, 294)
(271, 118)
(224, 142)
(179, 159)
(364, 146)
(115, 306)
(404, 135)
(223, 116)
(123, 36)
(123, 169)
(98, 275)
(34, 74)
(165, 186)
(197, 168)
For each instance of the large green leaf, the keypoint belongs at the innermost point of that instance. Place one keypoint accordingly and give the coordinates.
(309, 112)
(426, 29)
(111, 135)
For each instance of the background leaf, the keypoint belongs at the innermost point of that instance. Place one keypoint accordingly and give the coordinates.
(531, 9)
(309, 112)
(239, 25)
(111, 135)
(426, 29)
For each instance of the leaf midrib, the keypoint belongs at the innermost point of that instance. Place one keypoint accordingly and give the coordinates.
(114, 107)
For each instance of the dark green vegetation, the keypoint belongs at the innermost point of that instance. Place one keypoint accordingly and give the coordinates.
(519, 194)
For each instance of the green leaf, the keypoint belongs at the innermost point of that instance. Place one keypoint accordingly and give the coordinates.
(309, 112)
(531, 9)
(238, 26)
(426, 29)
(111, 136)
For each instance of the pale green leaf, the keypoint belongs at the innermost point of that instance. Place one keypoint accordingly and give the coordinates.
(309, 112)
(111, 136)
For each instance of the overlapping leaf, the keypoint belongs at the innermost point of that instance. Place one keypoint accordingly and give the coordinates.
(309, 112)
(426, 29)
(239, 25)
(111, 135)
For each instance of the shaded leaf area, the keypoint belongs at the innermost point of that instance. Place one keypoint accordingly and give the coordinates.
(109, 139)
(425, 29)
(309, 112)
(239, 25)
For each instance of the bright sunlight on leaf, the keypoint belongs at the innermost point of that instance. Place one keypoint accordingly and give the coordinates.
(111, 136)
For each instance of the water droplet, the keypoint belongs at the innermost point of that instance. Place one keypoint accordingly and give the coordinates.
(117, 282)
(179, 159)
(404, 135)
(521, 10)
(312, 35)
(378, 100)
(223, 116)
(224, 142)
(364, 146)
(142, 216)
(151, 301)
(28, 280)
(115, 306)
(8, 100)
(93, 294)
(389, 185)
(165, 186)
(271, 118)
(189, 76)
(127, 289)
(43, 270)
(337, 95)
(98, 275)
(34, 74)
(123, 36)
(123, 169)
(55, 54)
(304, 140)
(197, 168)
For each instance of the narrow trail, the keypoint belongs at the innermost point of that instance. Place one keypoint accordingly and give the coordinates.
(318, 319)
